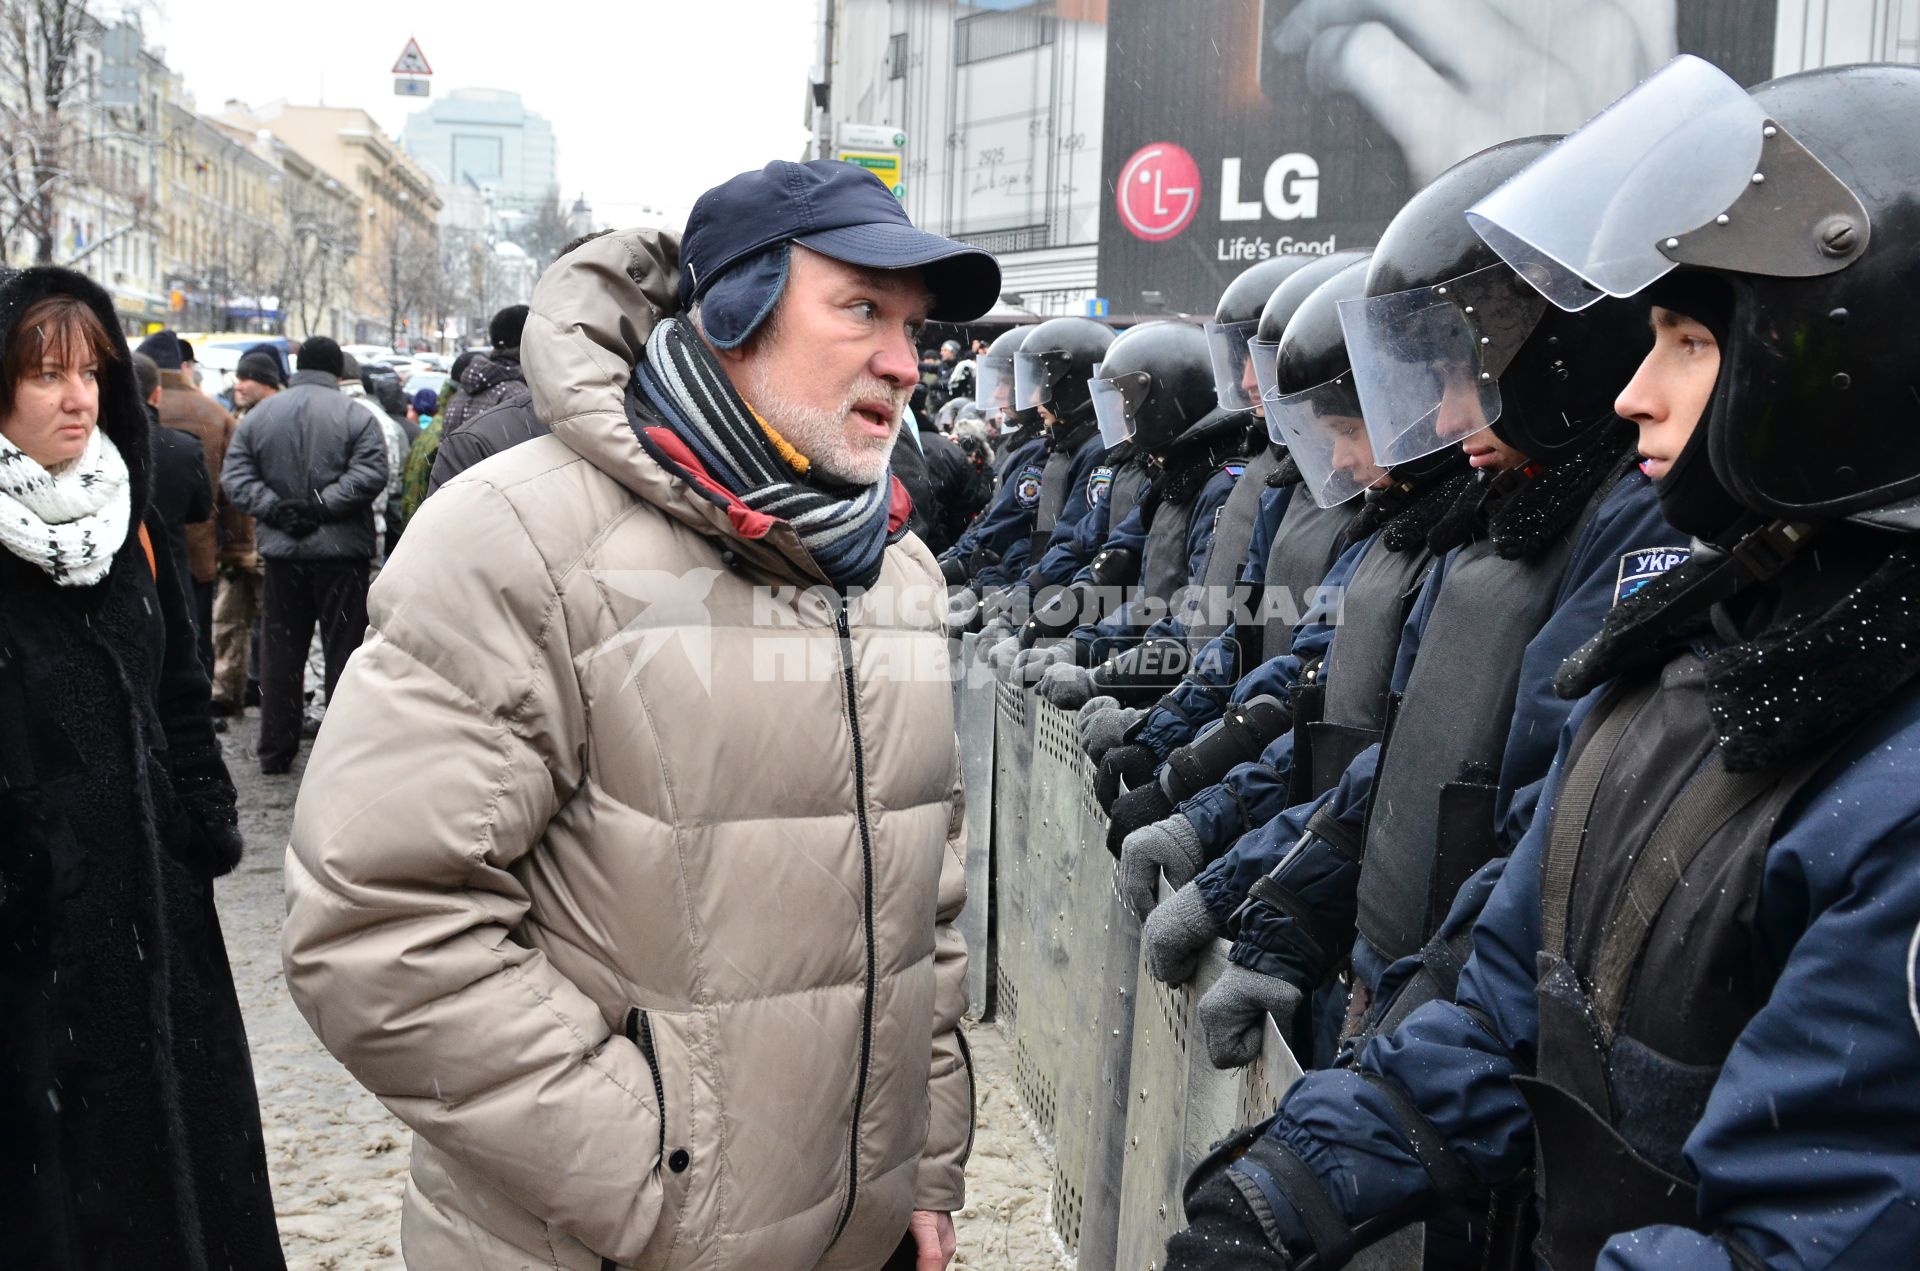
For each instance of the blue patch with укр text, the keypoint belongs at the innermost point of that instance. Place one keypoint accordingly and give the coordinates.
(1644, 564)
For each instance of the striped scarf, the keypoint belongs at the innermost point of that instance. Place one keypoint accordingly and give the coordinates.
(680, 382)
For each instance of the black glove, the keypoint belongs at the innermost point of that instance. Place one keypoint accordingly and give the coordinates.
(954, 570)
(1137, 808)
(1132, 763)
(1222, 1234)
(205, 832)
(294, 517)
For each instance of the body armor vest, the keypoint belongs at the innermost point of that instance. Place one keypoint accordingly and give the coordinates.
(1649, 968)
(1056, 483)
(1347, 710)
(1123, 496)
(1163, 559)
(1232, 536)
(1431, 823)
(1304, 548)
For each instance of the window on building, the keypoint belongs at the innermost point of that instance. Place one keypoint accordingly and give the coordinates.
(897, 55)
(990, 35)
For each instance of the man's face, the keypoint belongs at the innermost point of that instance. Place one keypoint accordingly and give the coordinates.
(834, 369)
(1484, 450)
(1250, 385)
(1670, 391)
(250, 392)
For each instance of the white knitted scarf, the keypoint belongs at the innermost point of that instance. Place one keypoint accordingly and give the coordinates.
(68, 521)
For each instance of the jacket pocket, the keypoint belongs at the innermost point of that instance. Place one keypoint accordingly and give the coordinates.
(639, 1031)
(687, 1142)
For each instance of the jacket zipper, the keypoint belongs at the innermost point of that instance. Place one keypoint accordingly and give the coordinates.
(640, 1033)
(866, 869)
(973, 1095)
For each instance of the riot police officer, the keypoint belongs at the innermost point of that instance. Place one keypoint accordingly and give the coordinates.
(1690, 1002)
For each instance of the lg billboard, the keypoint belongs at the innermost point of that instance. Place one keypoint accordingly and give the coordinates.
(1236, 130)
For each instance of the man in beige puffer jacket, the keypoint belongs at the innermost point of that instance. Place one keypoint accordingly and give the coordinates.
(651, 938)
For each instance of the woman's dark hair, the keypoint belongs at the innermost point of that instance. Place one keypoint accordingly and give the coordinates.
(54, 329)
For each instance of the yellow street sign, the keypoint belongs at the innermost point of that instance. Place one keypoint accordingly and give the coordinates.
(884, 166)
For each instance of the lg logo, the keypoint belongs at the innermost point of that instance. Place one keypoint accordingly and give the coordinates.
(1158, 192)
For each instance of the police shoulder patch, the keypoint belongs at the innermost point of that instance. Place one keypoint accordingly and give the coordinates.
(1644, 564)
(1233, 469)
(1099, 481)
(1026, 486)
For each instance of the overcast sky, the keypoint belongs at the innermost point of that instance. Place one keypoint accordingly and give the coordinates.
(652, 101)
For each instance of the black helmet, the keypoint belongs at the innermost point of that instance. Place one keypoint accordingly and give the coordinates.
(1451, 339)
(1155, 386)
(1054, 363)
(1234, 321)
(1280, 308)
(993, 373)
(1315, 411)
(1831, 359)
(1799, 198)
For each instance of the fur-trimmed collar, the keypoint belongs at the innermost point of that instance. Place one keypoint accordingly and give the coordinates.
(1791, 688)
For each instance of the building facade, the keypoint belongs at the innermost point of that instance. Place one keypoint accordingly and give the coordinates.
(1001, 108)
(396, 265)
(486, 139)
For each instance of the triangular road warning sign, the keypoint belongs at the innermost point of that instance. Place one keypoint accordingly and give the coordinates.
(412, 60)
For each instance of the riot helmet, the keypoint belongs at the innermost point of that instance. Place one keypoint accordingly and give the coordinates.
(1054, 363)
(1235, 320)
(1800, 198)
(1449, 340)
(1154, 386)
(1264, 345)
(1314, 410)
(993, 373)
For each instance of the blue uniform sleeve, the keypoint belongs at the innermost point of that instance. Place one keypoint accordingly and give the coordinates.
(1272, 943)
(1009, 569)
(1251, 795)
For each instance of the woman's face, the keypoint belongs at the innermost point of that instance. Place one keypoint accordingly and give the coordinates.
(56, 407)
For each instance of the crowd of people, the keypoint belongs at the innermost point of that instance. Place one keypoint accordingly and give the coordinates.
(1500, 635)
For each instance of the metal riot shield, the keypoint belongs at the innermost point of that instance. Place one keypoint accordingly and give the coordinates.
(1053, 841)
(1090, 979)
(974, 713)
(1012, 760)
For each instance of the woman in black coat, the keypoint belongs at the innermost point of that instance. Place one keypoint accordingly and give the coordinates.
(129, 1127)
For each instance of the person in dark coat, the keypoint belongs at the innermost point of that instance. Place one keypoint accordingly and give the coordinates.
(492, 378)
(959, 493)
(129, 1127)
(498, 428)
(910, 466)
(307, 467)
(182, 491)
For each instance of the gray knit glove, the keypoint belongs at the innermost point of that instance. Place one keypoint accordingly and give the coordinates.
(1169, 847)
(1066, 686)
(963, 609)
(1176, 934)
(1030, 664)
(1103, 724)
(1001, 655)
(994, 632)
(1233, 1014)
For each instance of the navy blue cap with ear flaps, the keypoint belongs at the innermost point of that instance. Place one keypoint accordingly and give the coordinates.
(734, 255)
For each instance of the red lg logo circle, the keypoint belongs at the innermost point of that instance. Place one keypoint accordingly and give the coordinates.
(1158, 192)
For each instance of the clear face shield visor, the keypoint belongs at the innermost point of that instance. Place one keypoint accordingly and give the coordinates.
(1323, 429)
(1234, 385)
(1685, 169)
(1427, 362)
(1116, 401)
(993, 385)
(1034, 375)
